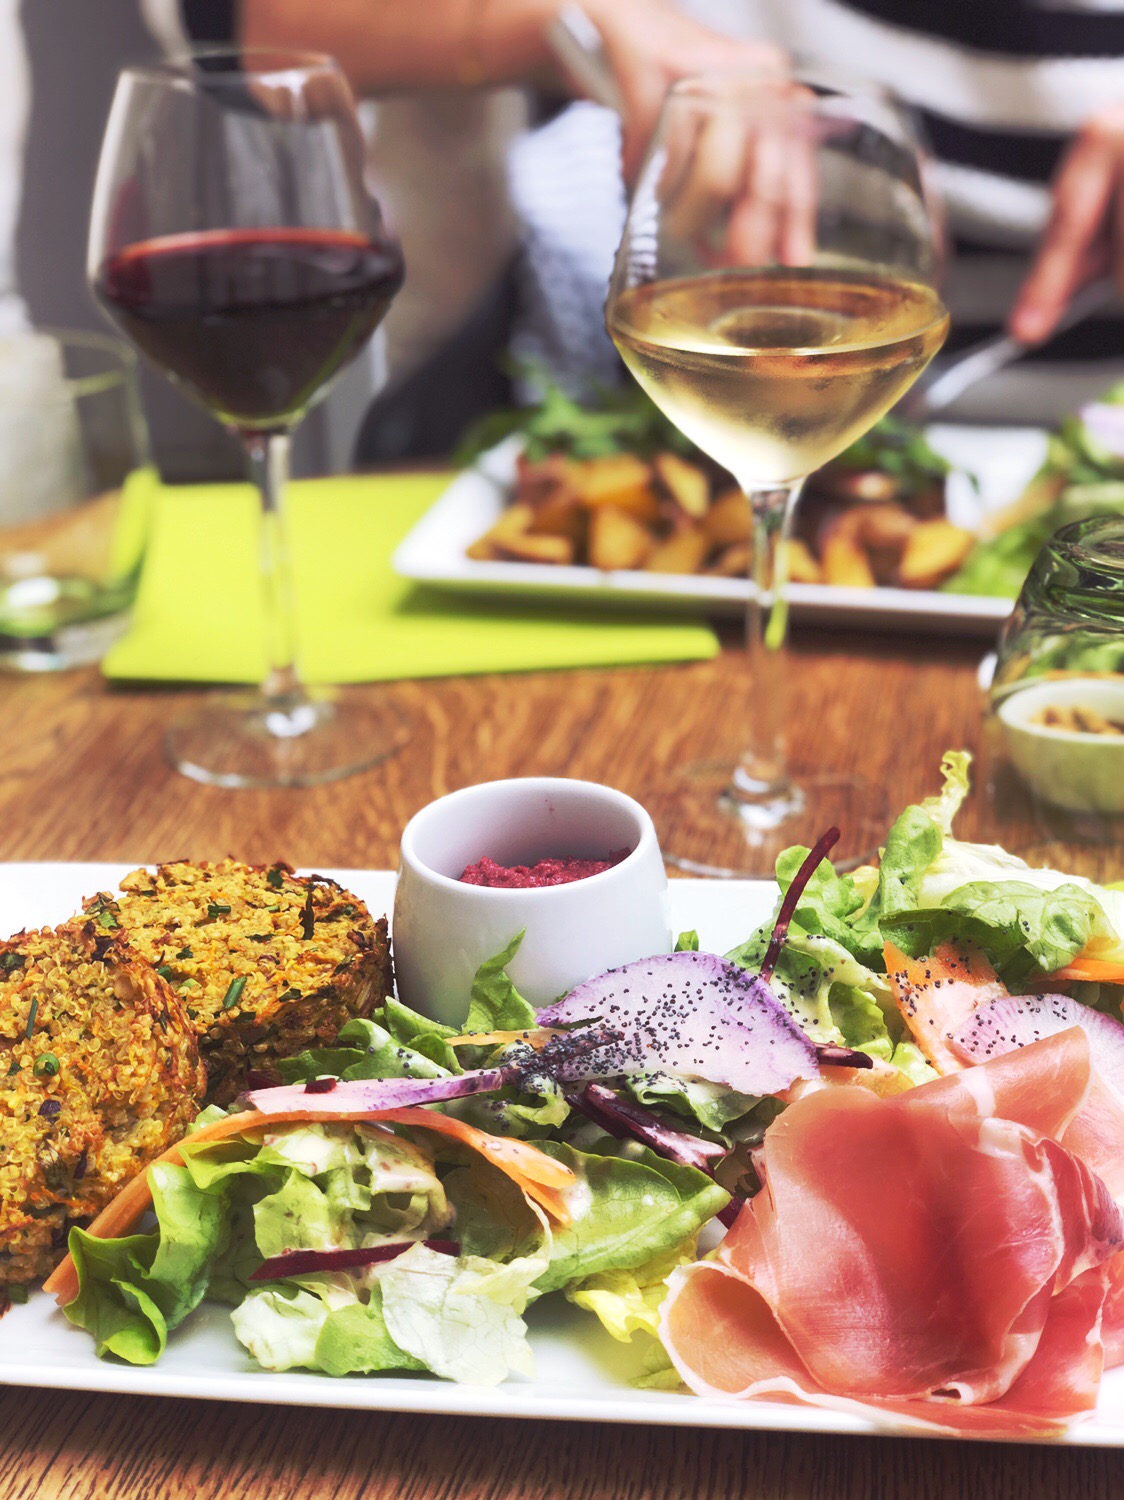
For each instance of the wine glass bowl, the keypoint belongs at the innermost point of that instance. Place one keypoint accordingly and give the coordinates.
(774, 295)
(233, 240)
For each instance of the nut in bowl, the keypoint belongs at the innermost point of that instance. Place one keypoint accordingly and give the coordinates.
(529, 830)
(1065, 738)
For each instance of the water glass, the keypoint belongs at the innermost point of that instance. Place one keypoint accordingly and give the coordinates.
(1056, 726)
(75, 489)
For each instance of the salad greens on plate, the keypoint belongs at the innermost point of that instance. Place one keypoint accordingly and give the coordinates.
(1082, 476)
(401, 1197)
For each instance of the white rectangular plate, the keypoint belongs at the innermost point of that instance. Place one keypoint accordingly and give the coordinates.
(582, 1373)
(1002, 459)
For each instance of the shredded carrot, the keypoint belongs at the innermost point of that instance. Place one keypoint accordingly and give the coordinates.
(541, 1177)
(1099, 970)
(948, 961)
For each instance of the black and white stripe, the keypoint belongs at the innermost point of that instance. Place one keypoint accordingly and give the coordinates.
(998, 87)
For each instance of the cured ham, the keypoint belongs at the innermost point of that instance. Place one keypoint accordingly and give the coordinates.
(938, 1255)
(1006, 1025)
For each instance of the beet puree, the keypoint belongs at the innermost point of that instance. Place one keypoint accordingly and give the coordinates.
(545, 872)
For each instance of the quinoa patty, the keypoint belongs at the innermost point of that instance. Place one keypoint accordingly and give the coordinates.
(265, 962)
(99, 1073)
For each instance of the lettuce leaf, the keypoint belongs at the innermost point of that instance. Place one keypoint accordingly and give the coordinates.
(916, 839)
(134, 1290)
(319, 1327)
(1024, 931)
(460, 1316)
(369, 1049)
(628, 1206)
(495, 1004)
(628, 1302)
(708, 1104)
(233, 1204)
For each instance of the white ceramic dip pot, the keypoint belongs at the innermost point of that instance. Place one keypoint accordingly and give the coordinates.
(444, 928)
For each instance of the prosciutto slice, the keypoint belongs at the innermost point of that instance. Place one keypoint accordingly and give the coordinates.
(938, 1256)
(1006, 1025)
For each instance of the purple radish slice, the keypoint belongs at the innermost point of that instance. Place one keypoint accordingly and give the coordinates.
(310, 1262)
(694, 1014)
(361, 1097)
(1015, 1021)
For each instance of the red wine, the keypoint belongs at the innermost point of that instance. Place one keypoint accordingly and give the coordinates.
(251, 321)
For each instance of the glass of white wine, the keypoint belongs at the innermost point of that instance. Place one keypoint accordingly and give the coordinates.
(774, 295)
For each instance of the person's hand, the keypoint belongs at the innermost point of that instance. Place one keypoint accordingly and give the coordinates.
(1085, 235)
(649, 45)
(739, 183)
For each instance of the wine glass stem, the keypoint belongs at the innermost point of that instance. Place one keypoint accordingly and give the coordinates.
(269, 454)
(761, 772)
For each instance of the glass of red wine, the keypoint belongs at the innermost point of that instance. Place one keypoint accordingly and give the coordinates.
(233, 240)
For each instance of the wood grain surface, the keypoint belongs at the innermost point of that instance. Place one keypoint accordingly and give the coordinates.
(82, 776)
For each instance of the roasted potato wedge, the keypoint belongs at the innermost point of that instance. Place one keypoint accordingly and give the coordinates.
(538, 481)
(844, 559)
(728, 520)
(732, 561)
(624, 482)
(683, 552)
(685, 483)
(559, 550)
(883, 526)
(618, 540)
(801, 565)
(512, 524)
(561, 514)
(933, 553)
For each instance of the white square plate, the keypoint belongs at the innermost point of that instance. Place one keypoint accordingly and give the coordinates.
(1002, 459)
(582, 1374)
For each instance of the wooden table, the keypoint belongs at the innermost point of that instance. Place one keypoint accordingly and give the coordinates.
(82, 776)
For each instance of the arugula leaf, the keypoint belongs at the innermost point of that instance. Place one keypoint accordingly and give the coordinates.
(616, 420)
(687, 942)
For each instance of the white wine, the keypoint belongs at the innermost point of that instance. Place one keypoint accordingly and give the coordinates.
(772, 373)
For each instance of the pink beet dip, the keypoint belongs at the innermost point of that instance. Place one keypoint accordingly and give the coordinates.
(554, 871)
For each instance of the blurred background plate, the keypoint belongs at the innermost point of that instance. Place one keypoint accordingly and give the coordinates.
(1001, 459)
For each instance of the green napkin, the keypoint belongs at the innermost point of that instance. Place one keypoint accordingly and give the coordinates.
(199, 615)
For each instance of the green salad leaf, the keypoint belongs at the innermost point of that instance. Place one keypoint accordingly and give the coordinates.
(618, 419)
(929, 887)
(237, 1202)
(898, 448)
(1024, 931)
(395, 1042)
(629, 1205)
(494, 1003)
(319, 1327)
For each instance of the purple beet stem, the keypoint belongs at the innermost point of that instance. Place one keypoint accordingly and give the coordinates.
(623, 1118)
(816, 855)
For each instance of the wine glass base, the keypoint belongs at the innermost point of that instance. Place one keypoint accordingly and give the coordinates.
(247, 740)
(707, 828)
